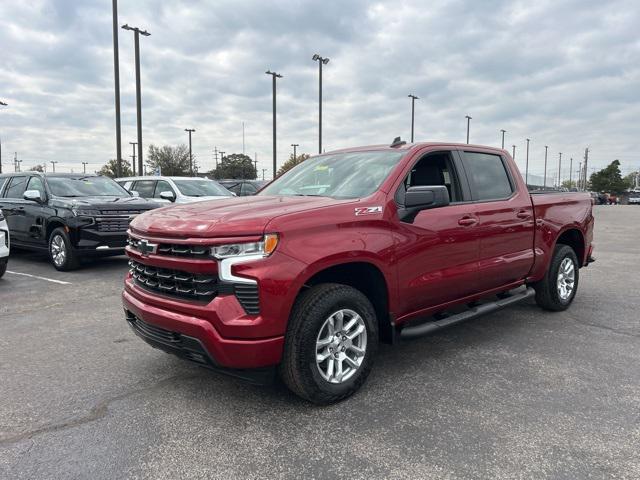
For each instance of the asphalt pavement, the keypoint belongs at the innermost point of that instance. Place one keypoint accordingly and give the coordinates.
(521, 393)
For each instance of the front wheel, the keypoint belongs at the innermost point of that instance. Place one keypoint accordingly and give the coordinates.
(3, 268)
(558, 288)
(330, 344)
(61, 253)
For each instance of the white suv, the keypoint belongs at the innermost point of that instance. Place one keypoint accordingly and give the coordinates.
(4, 244)
(175, 189)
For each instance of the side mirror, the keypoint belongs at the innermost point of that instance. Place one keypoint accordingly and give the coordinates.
(33, 195)
(134, 193)
(421, 198)
(168, 196)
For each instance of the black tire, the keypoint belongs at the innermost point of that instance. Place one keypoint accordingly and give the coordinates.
(298, 369)
(3, 268)
(70, 261)
(547, 295)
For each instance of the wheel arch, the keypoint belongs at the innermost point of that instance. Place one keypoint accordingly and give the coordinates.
(573, 238)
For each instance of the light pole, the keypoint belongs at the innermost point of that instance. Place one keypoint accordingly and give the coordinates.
(468, 126)
(503, 132)
(263, 170)
(560, 170)
(295, 146)
(413, 111)
(53, 165)
(116, 76)
(526, 167)
(514, 153)
(4, 105)
(136, 37)
(84, 167)
(546, 148)
(133, 163)
(274, 76)
(570, 168)
(190, 131)
(321, 61)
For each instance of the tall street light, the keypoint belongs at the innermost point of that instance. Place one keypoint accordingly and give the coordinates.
(513, 155)
(413, 110)
(503, 132)
(468, 126)
(321, 61)
(190, 131)
(546, 148)
(133, 163)
(136, 37)
(274, 76)
(295, 146)
(4, 105)
(570, 168)
(560, 170)
(53, 165)
(526, 168)
(116, 76)
(84, 167)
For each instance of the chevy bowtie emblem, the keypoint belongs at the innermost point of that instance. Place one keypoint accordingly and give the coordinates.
(147, 247)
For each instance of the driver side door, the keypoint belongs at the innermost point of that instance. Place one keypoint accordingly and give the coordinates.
(437, 252)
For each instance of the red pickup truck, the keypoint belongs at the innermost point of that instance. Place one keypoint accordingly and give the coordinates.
(345, 250)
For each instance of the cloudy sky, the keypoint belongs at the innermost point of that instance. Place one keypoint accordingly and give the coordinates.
(562, 73)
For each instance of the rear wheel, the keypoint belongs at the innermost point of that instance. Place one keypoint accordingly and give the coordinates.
(3, 268)
(330, 344)
(558, 288)
(61, 253)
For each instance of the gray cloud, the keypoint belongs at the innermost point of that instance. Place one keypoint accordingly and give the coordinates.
(563, 73)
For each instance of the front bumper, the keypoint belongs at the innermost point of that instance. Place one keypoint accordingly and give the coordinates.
(4, 243)
(218, 352)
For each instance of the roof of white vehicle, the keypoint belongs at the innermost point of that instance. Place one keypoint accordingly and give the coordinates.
(161, 177)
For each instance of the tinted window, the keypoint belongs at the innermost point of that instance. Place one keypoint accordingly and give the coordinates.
(488, 176)
(201, 188)
(85, 186)
(248, 189)
(17, 186)
(35, 183)
(145, 188)
(2, 182)
(163, 186)
(233, 187)
(435, 169)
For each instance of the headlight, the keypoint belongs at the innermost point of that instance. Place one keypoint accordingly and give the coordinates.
(264, 247)
(81, 212)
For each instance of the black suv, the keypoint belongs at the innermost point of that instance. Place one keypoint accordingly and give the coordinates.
(69, 215)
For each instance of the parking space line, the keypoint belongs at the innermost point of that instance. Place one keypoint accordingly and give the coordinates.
(40, 278)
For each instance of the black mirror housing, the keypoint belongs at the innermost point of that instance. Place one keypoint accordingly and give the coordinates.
(421, 198)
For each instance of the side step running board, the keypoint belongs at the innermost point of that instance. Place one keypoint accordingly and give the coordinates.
(429, 327)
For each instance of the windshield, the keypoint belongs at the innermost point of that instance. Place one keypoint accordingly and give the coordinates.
(201, 188)
(85, 187)
(341, 175)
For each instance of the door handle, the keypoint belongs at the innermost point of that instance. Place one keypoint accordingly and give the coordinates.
(467, 221)
(523, 214)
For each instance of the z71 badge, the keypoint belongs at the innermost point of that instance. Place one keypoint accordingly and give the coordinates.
(367, 210)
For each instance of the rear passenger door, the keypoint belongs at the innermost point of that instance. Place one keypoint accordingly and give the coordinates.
(506, 222)
(145, 188)
(12, 204)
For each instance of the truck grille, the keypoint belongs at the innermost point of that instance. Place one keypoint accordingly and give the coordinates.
(174, 283)
(113, 224)
(192, 251)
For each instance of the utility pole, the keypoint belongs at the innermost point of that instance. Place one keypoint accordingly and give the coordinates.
(53, 165)
(526, 168)
(255, 163)
(84, 167)
(215, 155)
(116, 76)
(560, 170)
(514, 153)
(263, 170)
(546, 148)
(321, 61)
(295, 145)
(274, 76)
(133, 163)
(413, 110)
(468, 126)
(503, 132)
(136, 37)
(15, 162)
(570, 168)
(579, 177)
(190, 131)
(4, 105)
(586, 163)
(243, 138)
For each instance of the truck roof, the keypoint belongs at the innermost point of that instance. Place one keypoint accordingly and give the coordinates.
(415, 145)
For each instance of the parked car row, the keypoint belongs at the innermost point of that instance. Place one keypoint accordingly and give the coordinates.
(175, 189)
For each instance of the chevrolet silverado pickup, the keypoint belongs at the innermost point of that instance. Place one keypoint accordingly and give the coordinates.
(346, 250)
(69, 216)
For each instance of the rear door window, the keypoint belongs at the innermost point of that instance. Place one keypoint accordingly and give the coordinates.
(35, 183)
(17, 186)
(163, 186)
(488, 176)
(145, 188)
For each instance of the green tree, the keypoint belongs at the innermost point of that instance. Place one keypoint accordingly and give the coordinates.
(37, 168)
(236, 165)
(608, 179)
(172, 161)
(292, 162)
(630, 180)
(569, 184)
(110, 169)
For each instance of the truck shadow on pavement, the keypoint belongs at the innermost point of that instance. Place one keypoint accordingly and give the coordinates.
(116, 262)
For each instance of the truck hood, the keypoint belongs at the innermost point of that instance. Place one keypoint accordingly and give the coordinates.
(230, 217)
(104, 203)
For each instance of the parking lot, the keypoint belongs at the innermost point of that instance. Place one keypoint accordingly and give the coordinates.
(518, 394)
